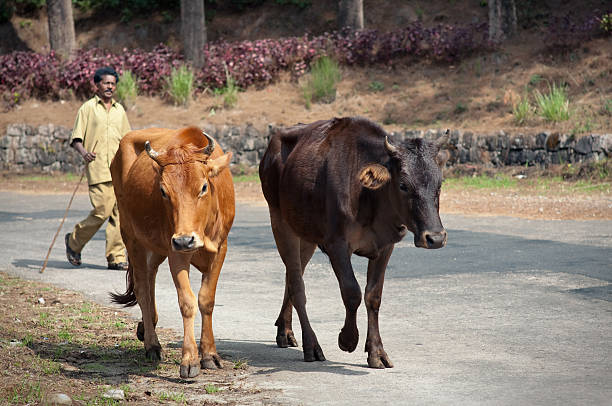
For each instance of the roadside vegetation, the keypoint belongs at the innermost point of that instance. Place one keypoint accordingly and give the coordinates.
(54, 341)
(320, 85)
(180, 86)
(127, 89)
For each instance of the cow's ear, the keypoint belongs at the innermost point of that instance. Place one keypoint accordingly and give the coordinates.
(374, 176)
(441, 158)
(218, 164)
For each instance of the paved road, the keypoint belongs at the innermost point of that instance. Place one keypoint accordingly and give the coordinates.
(510, 312)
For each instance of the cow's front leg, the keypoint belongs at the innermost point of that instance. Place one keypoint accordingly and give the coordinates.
(210, 266)
(179, 266)
(340, 258)
(377, 357)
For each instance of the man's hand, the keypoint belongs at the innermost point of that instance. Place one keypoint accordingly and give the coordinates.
(87, 155)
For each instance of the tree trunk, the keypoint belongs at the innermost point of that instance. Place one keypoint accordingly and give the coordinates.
(193, 31)
(350, 14)
(61, 27)
(502, 20)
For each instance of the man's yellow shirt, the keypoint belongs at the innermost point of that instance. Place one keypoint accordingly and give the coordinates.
(94, 125)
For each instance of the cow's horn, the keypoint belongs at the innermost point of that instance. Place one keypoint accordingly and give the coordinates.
(211, 145)
(444, 138)
(151, 152)
(392, 149)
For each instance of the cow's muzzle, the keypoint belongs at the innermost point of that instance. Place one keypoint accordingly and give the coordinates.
(184, 242)
(431, 239)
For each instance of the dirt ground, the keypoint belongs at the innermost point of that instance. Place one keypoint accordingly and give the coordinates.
(54, 341)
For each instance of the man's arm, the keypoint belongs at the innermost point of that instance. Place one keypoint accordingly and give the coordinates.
(87, 155)
(78, 132)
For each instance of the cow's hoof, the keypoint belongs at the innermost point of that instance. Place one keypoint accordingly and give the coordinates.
(189, 371)
(154, 354)
(140, 331)
(286, 340)
(379, 361)
(314, 354)
(347, 340)
(211, 362)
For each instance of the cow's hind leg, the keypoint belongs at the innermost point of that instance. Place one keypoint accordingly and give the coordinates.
(340, 258)
(210, 266)
(288, 244)
(143, 277)
(153, 265)
(284, 335)
(377, 357)
(179, 267)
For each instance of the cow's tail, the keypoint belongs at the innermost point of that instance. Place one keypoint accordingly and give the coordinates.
(128, 298)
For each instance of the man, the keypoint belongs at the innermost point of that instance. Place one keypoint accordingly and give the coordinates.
(100, 124)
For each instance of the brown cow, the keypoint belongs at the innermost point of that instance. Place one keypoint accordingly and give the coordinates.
(176, 200)
(340, 185)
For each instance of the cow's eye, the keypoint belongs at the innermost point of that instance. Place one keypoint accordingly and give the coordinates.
(204, 189)
(163, 192)
(403, 187)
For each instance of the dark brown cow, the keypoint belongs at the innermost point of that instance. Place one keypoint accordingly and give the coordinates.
(176, 200)
(340, 185)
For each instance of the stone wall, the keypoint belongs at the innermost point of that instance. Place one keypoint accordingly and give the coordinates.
(24, 148)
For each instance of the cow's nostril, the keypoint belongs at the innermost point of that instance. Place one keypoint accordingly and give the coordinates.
(183, 242)
(430, 240)
(435, 240)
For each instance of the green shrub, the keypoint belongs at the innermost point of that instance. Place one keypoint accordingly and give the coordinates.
(553, 106)
(522, 110)
(607, 107)
(321, 83)
(230, 91)
(605, 23)
(127, 90)
(376, 86)
(180, 85)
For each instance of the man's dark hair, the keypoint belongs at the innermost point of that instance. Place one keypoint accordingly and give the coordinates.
(107, 70)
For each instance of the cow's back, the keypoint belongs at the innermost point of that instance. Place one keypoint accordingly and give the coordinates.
(309, 172)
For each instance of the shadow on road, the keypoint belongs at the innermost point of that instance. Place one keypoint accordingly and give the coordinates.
(273, 359)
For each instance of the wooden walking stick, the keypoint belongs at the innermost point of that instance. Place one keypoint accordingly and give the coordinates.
(65, 215)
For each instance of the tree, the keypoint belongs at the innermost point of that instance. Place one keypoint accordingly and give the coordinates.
(350, 14)
(61, 27)
(502, 19)
(193, 31)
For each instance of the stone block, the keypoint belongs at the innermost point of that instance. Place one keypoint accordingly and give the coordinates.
(584, 145)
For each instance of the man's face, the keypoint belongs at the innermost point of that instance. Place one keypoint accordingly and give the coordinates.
(106, 87)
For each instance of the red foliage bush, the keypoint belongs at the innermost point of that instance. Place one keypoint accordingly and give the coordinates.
(28, 74)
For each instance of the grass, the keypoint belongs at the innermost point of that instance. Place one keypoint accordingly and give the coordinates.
(27, 392)
(543, 184)
(210, 388)
(376, 86)
(481, 182)
(241, 364)
(229, 92)
(127, 89)
(175, 397)
(553, 106)
(522, 110)
(247, 177)
(320, 86)
(180, 86)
